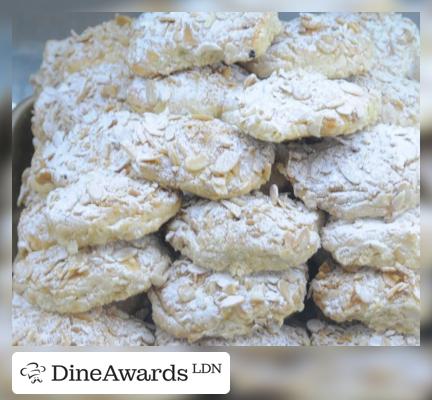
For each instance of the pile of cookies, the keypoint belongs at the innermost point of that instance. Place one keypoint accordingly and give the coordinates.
(191, 169)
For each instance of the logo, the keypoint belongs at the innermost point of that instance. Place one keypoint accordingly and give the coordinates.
(32, 371)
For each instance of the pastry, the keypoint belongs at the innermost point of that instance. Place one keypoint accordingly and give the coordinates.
(165, 42)
(108, 326)
(195, 303)
(296, 104)
(57, 281)
(246, 234)
(375, 242)
(107, 42)
(374, 173)
(334, 44)
(382, 300)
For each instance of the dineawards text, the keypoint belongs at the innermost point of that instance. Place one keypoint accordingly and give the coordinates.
(112, 374)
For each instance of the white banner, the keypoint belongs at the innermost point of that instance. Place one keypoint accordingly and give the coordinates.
(120, 373)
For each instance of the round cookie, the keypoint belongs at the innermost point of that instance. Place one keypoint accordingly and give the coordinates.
(195, 303)
(80, 98)
(102, 207)
(247, 234)
(334, 44)
(375, 242)
(400, 97)
(374, 173)
(165, 42)
(104, 43)
(57, 281)
(203, 156)
(107, 327)
(296, 104)
(196, 154)
(397, 43)
(382, 300)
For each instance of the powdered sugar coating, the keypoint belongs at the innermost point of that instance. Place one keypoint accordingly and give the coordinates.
(61, 282)
(108, 326)
(374, 173)
(203, 156)
(382, 300)
(334, 44)
(374, 242)
(328, 334)
(81, 98)
(295, 104)
(102, 207)
(400, 97)
(397, 43)
(286, 335)
(104, 43)
(163, 43)
(33, 233)
(206, 157)
(195, 303)
(206, 91)
(246, 234)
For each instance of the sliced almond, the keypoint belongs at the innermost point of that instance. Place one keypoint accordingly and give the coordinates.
(226, 162)
(196, 162)
(232, 301)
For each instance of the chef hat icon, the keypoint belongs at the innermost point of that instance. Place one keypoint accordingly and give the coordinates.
(32, 371)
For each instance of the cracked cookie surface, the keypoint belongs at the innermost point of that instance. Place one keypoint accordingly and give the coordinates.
(291, 105)
(165, 42)
(373, 173)
(195, 303)
(246, 234)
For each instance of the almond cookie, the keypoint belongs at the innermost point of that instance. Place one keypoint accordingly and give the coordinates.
(195, 303)
(72, 283)
(397, 42)
(247, 234)
(284, 336)
(374, 173)
(295, 104)
(400, 97)
(107, 42)
(382, 300)
(334, 44)
(165, 42)
(328, 334)
(107, 326)
(205, 157)
(202, 91)
(81, 97)
(102, 207)
(374, 242)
